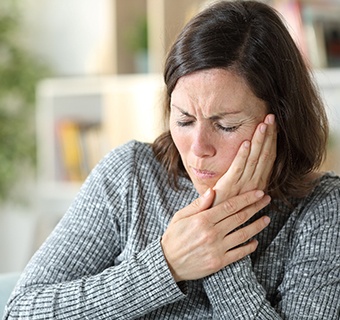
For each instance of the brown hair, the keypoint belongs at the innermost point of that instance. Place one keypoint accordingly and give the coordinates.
(250, 38)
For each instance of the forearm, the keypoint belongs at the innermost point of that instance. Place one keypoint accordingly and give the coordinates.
(135, 287)
(234, 290)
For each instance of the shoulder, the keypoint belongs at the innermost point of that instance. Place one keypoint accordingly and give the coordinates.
(116, 171)
(134, 166)
(318, 215)
(130, 157)
(129, 152)
(325, 197)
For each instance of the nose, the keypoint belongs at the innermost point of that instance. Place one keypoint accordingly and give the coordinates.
(203, 143)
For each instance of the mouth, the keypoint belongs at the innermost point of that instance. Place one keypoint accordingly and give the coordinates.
(203, 174)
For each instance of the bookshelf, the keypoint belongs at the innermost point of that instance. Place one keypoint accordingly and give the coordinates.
(164, 18)
(315, 26)
(113, 109)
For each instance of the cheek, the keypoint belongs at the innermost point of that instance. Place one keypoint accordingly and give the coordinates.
(232, 144)
(227, 152)
(229, 146)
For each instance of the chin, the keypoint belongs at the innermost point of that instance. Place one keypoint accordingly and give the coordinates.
(202, 188)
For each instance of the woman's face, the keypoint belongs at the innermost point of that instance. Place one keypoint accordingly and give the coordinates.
(212, 112)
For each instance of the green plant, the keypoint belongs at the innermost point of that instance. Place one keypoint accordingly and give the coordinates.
(137, 35)
(19, 74)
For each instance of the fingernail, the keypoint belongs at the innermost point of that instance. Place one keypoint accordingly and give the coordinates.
(266, 220)
(246, 144)
(259, 193)
(206, 194)
(271, 118)
(263, 128)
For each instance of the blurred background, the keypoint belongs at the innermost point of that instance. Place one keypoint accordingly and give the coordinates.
(78, 78)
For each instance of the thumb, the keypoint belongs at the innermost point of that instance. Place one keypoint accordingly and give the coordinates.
(200, 204)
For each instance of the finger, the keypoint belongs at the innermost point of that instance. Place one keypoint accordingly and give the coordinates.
(202, 203)
(229, 207)
(237, 254)
(239, 218)
(255, 151)
(242, 235)
(237, 167)
(268, 153)
(233, 175)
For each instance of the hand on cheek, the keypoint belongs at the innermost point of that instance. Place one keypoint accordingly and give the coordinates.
(253, 164)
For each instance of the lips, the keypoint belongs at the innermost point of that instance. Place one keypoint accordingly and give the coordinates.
(203, 174)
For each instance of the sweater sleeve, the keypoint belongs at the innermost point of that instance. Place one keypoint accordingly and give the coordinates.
(310, 287)
(234, 293)
(78, 274)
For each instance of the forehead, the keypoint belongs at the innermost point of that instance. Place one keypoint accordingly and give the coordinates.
(215, 90)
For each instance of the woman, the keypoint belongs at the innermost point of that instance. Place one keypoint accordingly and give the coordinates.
(183, 229)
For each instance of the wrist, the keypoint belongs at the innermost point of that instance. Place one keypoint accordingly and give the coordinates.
(230, 273)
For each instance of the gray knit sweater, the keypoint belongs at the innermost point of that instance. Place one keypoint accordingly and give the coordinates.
(104, 259)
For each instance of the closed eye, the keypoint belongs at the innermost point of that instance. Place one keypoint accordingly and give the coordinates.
(184, 123)
(227, 129)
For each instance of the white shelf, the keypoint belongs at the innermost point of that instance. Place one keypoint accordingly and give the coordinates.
(126, 107)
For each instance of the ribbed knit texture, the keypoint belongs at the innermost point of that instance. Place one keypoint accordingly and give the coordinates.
(104, 259)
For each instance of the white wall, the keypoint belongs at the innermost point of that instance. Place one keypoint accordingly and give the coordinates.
(74, 36)
(18, 219)
(17, 231)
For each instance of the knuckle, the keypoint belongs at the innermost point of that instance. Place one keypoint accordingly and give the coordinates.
(239, 170)
(240, 217)
(208, 238)
(215, 263)
(207, 234)
(253, 162)
(248, 198)
(229, 206)
(268, 156)
(243, 235)
(199, 223)
(196, 203)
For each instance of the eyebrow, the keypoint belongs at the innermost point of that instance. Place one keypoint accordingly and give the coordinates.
(218, 116)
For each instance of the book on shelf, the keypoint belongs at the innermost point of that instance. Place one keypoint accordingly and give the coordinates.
(291, 11)
(322, 26)
(332, 41)
(79, 149)
(315, 26)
